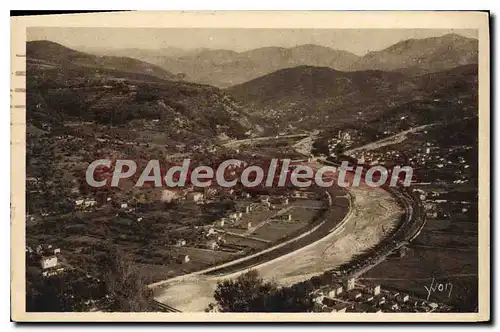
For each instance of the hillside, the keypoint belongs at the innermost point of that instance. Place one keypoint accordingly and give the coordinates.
(50, 54)
(311, 98)
(419, 56)
(79, 111)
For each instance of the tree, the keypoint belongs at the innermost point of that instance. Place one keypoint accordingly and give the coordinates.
(250, 293)
(125, 288)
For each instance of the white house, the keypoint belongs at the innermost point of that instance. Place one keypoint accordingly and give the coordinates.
(195, 196)
(48, 262)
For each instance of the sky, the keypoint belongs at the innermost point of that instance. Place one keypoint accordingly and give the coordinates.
(357, 41)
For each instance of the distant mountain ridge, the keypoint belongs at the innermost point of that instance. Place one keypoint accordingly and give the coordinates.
(423, 55)
(225, 68)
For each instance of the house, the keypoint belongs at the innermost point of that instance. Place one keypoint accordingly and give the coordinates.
(374, 290)
(403, 298)
(123, 205)
(247, 209)
(319, 299)
(169, 195)
(48, 262)
(194, 196)
(180, 243)
(213, 245)
(338, 289)
(57, 251)
(350, 283)
(264, 199)
(367, 297)
(355, 295)
(283, 217)
(53, 271)
(90, 203)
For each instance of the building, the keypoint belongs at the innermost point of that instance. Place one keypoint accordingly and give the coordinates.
(249, 225)
(57, 251)
(213, 245)
(284, 217)
(355, 295)
(48, 262)
(402, 298)
(169, 195)
(52, 271)
(338, 289)
(89, 203)
(186, 259)
(123, 205)
(350, 283)
(180, 243)
(374, 290)
(194, 196)
(211, 231)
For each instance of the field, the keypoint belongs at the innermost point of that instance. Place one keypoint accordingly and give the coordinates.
(444, 253)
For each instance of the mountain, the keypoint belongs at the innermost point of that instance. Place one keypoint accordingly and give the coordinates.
(53, 54)
(309, 98)
(224, 68)
(66, 86)
(419, 56)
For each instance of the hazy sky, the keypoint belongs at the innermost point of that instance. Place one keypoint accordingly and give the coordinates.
(358, 41)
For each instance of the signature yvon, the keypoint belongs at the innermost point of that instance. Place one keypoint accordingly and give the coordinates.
(436, 287)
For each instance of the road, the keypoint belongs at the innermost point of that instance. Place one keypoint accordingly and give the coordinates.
(376, 223)
(394, 139)
(361, 229)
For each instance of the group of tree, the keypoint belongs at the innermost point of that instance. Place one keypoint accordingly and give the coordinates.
(118, 288)
(250, 293)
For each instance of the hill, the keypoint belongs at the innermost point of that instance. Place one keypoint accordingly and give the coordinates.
(311, 98)
(419, 56)
(47, 53)
(85, 97)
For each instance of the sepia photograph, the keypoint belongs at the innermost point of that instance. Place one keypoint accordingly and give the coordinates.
(251, 166)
